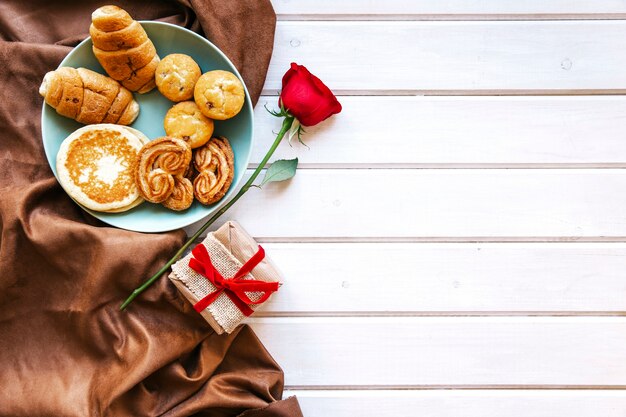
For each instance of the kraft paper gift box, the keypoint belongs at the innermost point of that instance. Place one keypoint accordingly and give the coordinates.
(229, 248)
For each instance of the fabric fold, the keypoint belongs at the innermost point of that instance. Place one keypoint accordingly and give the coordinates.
(65, 349)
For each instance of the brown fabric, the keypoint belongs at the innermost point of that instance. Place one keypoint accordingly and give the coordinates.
(65, 349)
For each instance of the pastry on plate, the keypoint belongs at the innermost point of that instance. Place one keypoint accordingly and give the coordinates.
(95, 166)
(219, 94)
(140, 135)
(215, 164)
(160, 166)
(88, 97)
(176, 76)
(182, 195)
(186, 121)
(123, 48)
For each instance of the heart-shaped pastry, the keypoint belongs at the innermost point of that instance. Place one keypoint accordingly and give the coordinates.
(215, 163)
(160, 168)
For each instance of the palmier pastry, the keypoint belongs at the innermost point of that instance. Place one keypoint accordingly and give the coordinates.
(185, 121)
(215, 164)
(219, 94)
(158, 164)
(182, 195)
(176, 76)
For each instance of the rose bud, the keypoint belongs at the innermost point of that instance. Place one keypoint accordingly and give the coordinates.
(306, 97)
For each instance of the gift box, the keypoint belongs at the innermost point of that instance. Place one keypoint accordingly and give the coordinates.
(226, 277)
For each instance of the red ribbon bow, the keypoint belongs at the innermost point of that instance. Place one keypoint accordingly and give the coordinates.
(234, 288)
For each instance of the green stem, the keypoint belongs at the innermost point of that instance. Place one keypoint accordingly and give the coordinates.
(286, 126)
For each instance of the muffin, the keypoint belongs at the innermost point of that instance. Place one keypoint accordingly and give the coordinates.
(176, 75)
(185, 121)
(219, 94)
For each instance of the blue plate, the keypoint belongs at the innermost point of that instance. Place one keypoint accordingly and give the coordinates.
(168, 39)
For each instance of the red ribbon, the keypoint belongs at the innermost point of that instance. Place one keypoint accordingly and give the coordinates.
(234, 287)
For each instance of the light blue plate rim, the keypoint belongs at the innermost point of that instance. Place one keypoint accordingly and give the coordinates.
(184, 220)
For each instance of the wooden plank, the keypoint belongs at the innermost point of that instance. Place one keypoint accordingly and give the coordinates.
(458, 131)
(475, 403)
(448, 10)
(464, 58)
(448, 278)
(448, 351)
(443, 204)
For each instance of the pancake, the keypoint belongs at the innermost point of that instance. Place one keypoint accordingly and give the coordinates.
(140, 135)
(134, 204)
(95, 167)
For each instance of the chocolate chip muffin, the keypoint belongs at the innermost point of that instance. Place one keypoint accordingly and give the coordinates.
(185, 121)
(219, 94)
(176, 76)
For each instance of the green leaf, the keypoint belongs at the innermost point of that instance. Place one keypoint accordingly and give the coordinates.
(280, 170)
(272, 112)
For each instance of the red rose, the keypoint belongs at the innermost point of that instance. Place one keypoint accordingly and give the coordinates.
(306, 97)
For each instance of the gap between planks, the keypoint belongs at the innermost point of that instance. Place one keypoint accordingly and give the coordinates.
(441, 314)
(470, 320)
(437, 239)
(446, 402)
(581, 165)
(477, 93)
(451, 387)
(448, 17)
(448, 10)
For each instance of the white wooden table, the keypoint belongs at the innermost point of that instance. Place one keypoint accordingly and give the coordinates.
(454, 243)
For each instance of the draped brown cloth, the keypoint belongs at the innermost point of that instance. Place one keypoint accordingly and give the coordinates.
(65, 349)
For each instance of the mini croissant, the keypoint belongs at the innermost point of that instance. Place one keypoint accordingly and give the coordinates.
(88, 97)
(122, 47)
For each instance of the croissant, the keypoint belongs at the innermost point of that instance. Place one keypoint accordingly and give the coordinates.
(123, 48)
(88, 97)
